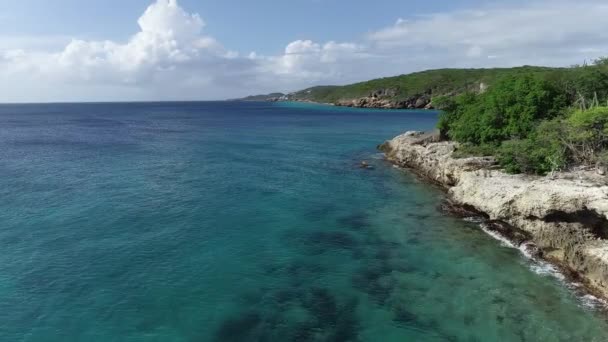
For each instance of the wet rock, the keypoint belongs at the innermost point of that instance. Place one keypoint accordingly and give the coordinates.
(532, 250)
(365, 165)
(512, 233)
(461, 211)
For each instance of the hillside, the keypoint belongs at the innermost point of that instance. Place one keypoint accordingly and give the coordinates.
(416, 90)
(263, 97)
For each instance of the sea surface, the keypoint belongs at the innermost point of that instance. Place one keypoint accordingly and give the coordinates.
(225, 221)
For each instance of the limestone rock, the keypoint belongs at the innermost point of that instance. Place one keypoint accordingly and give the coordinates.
(565, 215)
(385, 99)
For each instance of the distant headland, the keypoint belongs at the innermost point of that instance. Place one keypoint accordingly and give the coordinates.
(420, 90)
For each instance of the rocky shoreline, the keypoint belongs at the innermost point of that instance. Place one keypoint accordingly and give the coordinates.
(379, 99)
(562, 218)
(385, 99)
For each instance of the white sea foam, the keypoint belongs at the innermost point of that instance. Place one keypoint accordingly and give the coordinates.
(378, 156)
(593, 302)
(544, 268)
(474, 219)
(503, 240)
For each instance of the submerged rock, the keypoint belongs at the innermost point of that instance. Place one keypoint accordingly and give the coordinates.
(565, 216)
(366, 165)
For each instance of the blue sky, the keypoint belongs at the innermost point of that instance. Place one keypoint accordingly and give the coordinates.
(262, 25)
(74, 50)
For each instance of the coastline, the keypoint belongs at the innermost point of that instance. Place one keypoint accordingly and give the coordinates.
(376, 100)
(560, 219)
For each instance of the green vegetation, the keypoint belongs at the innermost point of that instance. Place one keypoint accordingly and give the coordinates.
(534, 122)
(437, 83)
(263, 97)
(509, 109)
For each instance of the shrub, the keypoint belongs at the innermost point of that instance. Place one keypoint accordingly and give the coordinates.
(588, 134)
(541, 153)
(449, 121)
(508, 110)
(470, 150)
(602, 160)
(591, 81)
(528, 120)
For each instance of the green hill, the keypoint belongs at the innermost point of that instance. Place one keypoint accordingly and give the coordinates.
(263, 97)
(429, 89)
(403, 87)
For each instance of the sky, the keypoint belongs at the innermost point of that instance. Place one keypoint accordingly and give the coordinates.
(159, 50)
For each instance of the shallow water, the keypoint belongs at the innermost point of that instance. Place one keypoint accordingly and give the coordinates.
(248, 222)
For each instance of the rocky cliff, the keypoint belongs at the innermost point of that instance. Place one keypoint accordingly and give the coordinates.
(563, 218)
(385, 99)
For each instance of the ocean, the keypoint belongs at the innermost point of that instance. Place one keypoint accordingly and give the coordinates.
(227, 221)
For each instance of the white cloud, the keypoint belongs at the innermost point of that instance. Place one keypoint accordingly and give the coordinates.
(310, 61)
(541, 31)
(171, 56)
(169, 41)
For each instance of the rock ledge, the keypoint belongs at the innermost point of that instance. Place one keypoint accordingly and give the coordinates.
(564, 217)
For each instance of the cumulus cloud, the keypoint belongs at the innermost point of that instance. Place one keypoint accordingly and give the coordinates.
(168, 37)
(170, 41)
(172, 57)
(307, 60)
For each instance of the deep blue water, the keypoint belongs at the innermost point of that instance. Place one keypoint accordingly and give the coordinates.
(248, 222)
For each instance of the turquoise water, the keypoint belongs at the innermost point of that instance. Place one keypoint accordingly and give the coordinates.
(248, 222)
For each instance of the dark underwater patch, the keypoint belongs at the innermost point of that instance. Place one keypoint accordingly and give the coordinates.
(285, 296)
(334, 239)
(468, 320)
(244, 327)
(303, 269)
(323, 306)
(418, 216)
(380, 244)
(413, 241)
(497, 300)
(329, 318)
(303, 332)
(405, 317)
(319, 242)
(357, 221)
(320, 211)
(251, 298)
(375, 279)
(336, 321)
(348, 325)
(298, 272)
